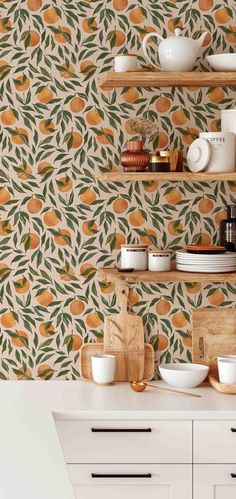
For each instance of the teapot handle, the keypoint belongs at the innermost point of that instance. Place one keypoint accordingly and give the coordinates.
(149, 35)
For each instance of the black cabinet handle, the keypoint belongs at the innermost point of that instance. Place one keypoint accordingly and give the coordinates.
(121, 475)
(121, 430)
(233, 430)
(233, 475)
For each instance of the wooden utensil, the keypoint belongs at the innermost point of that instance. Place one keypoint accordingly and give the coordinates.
(140, 386)
(124, 333)
(89, 349)
(213, 334)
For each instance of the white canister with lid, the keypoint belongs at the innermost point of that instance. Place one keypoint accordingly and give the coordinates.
(228, 120)
(134, 256)
(159, 260)
(222, 153)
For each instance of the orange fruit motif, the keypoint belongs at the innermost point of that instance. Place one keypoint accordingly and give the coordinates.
(133, 298)
(5, 228)
(88, 197)
(207, 40)
(20, 136)
(163, 140)
(136, 218)
(136, 16)
(216, 298)
(4, 196)
(193, 287)
(87, 67)
(67, 71)
(163, 307)
(175, 228)
(4, 271)
(222, 16)
(24, 374)
(22, 286)
(4, 68)
(22, 83)
(205, 206)
(19, 339)
(107, 287)
(203, 239)
(120, 5)
(89, 228)
(216, 95)
(31, 38)
(51, 219)
(8, 320)
(89, 25)
(74, 140)
(150, 186)
(77, 104)
(45, 95)
(46, 329)
(187, 341)
(25, 172)
(179, 320)
(67, 273)
(74, 342)
(173, 196)
(64, 184)
(30, 240)
(163, 104)
(93, 320)
(62, 35)
(146, 30)
(34, 5)
(46, 127)
(179, 117)
(205, 5)
(215, 126)
(120, 205)
(220, 215)
(163, 342)
(192, 134)
(34, 206)
(116, 239)
(44, 298)
(45, 371)
(174, 23)
(63, 238)
(87, 269)
(77, 307)
(93, 117)
(105, 137)
(149, 237)
(5, 25)
(131, 95)
(51, 16)
(231, 36)
(117, 38)
(45, 168)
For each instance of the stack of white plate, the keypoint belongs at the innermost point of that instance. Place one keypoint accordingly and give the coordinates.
(191, 262)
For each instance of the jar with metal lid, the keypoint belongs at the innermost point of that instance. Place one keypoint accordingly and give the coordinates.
(228, 229)
(159, 164)
(134, 256)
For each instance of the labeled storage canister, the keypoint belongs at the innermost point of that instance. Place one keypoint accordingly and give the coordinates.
(228, 229)
(134, 256)
(159, 260)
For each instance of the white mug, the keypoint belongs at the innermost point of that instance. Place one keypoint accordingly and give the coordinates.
(125, 62)
(103, 369)
(228, 120)
(222, 156)
(227, 371)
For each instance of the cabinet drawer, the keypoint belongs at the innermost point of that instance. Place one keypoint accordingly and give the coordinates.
(126, 441)
(149, 481)
(214, 442)
(214, 481)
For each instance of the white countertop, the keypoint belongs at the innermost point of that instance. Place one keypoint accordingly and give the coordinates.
(32, 465)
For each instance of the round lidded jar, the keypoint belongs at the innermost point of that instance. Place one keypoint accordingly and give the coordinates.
(134, 256)
(159, 164)
(159, 260)
(135, 159)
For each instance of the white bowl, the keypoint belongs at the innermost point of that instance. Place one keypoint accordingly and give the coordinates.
(222, 62)
(183, 375)
(227, 371)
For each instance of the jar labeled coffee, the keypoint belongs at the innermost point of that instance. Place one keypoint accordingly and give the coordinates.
(228, 229)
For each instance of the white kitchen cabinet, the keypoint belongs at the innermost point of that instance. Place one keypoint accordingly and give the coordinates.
(214, 442)
(149, 481)
(217, 481)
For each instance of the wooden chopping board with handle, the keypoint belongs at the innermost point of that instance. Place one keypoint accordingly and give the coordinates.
(124, 334)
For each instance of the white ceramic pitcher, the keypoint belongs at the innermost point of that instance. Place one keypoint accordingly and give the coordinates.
(177, 52)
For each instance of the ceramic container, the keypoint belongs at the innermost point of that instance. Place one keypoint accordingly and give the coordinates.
(228, 120)
(103, 369)
(176, 53)
(134, 256)
(184, 375)
(125, 62)
(227, 371)
(222, 62)
(222, 154)
(159, 261)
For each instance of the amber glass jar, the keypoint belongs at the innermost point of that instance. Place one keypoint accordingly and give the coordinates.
(159, 164)
(228, 229)
(135, 159)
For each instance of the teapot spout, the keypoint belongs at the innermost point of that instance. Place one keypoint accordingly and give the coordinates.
(201, 39)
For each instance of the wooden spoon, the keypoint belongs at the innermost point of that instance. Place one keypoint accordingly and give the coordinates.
(139, 386)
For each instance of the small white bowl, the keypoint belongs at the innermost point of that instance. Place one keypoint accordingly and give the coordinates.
(222, 62)
(227, 371)
(183, 375)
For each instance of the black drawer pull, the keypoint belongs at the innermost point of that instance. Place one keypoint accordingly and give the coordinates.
(233, 430)
(121, 475)
(121, 430)
(233, 475)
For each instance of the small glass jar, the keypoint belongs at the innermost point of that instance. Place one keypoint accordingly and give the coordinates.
(136, 158)
(159, 164)
(228, 229)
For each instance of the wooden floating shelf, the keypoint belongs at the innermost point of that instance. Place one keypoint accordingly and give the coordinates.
(152, 177)
(167, 79)
(111, 275)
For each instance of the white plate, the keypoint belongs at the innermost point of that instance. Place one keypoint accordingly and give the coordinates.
(205, 270)
(198, 155)
(222, 62)
(228, 254)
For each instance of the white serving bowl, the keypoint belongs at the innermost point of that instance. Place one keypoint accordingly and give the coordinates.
(222, 62)
(183, 375)
(227, 371)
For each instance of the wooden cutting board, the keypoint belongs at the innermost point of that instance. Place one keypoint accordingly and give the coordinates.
(124, 332)
(214, 333)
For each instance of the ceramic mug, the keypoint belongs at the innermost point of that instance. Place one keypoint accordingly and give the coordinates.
(227, 371)
(103, 369)
(228, 120)
(125, 62)
(222, 156)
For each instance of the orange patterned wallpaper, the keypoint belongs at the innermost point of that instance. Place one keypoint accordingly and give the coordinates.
(58, 222)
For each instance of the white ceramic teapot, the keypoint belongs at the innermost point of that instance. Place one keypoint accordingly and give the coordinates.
(176, 53)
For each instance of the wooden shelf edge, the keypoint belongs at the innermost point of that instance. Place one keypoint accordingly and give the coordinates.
(169, 176)
(112, 275)
(112, 79)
